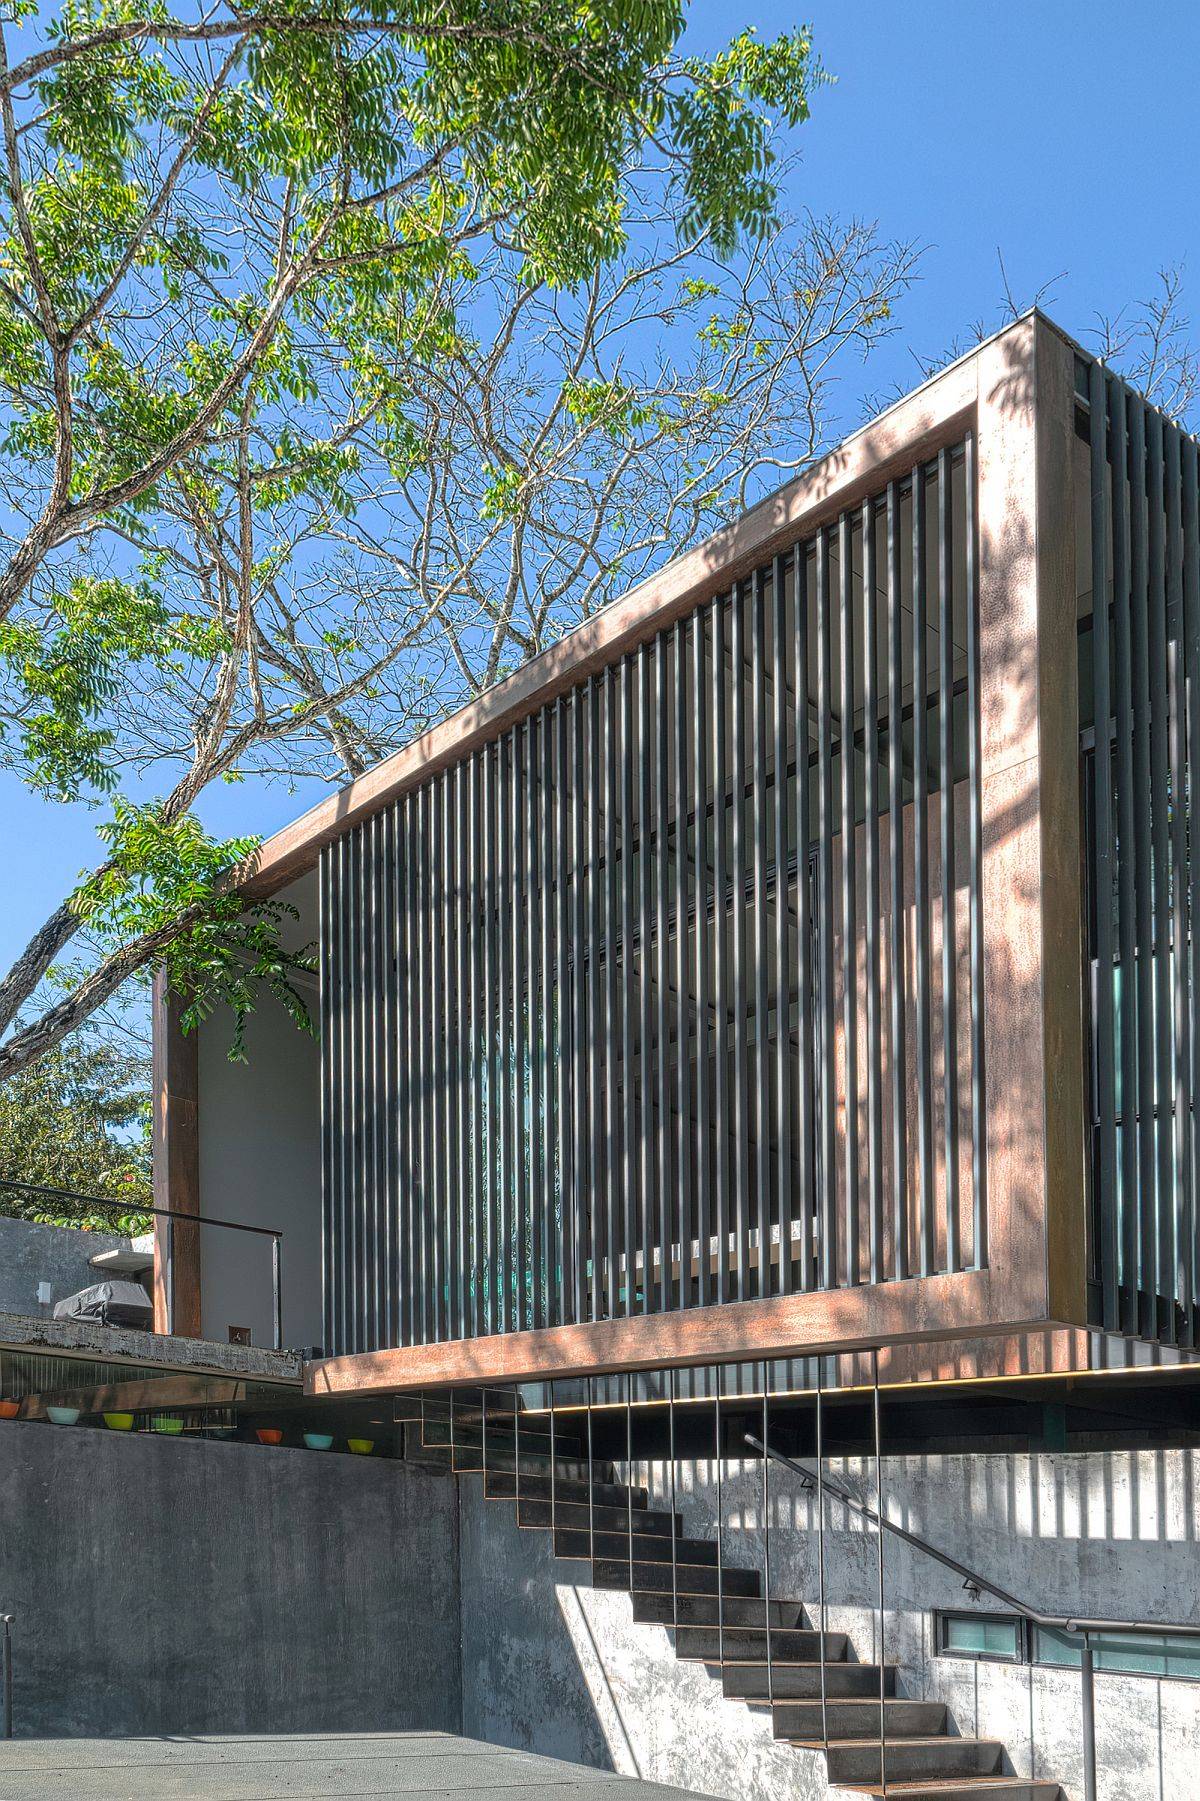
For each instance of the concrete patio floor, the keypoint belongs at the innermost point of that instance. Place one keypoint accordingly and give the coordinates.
(416, 1765)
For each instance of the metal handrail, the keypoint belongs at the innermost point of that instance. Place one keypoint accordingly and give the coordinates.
(6, 1675)
(172, 1213)
(1076, 1624)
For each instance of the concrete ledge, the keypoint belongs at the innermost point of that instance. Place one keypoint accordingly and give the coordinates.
(120, 1344)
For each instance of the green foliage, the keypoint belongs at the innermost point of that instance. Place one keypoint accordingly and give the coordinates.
(167, 880)
(78, 1119)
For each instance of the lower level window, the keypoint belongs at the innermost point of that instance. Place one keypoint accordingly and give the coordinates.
(984, 1635)
(1134, 1653)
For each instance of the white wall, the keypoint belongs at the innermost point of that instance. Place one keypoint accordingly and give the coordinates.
(260, 1162)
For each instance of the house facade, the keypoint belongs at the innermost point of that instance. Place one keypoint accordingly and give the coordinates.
(774, 1011)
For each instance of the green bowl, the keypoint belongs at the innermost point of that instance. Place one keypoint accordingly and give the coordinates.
(362, 1447)
(166, 1422)
(119, 1422)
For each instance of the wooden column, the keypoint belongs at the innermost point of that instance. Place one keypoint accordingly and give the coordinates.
(176, 1166)
(1033, 962)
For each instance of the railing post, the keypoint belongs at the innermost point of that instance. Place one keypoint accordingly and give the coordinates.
(720, 1565)
(6, 1620)
(629, 1470)
(276, 1295)
(879, 1539)
(674, 1572)
(591, 1485)
(766, 1503)
(821, 1605)
(1087, 1671)
(553, 1472)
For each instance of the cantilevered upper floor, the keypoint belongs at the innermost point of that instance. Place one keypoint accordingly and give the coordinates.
(787, 958)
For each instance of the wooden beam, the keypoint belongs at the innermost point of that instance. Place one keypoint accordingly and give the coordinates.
(176, 1159)
(928, 1307)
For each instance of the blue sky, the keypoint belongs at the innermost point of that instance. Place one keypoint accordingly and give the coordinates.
(1064, 134)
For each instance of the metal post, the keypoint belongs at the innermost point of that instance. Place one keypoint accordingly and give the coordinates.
(6, 1620)
(629, 1470)
(766, 1500)
(276, 1295)
(674, 1578)
(553, 1469)
(591, 1485)
(879, 1541)
(821, 1553)
(720, 1565)
(517, 1448)
(1087, 1669)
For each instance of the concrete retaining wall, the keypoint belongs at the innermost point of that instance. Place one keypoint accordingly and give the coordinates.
(30, 1254)
(180, 1586)
(1111, 1535)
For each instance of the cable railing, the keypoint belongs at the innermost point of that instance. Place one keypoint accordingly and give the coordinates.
(125, 1207)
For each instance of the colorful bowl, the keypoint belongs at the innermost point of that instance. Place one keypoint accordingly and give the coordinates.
(269, 1435)
(9, 1410)
(119, 1422)
(318, 1441)
(63, 1416)
(168, 1423)
(362, 1447)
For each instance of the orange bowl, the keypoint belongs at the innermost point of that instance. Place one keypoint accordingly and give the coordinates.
(9, 1410)
(269, 1435)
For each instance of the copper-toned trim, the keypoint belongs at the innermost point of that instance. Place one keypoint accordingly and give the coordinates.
(967, 1305)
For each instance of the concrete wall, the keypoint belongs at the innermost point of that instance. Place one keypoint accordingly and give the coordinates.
(260, 1162)
(177, 1586)
(1110, 1535)
(30, 1254)
(550, 1664)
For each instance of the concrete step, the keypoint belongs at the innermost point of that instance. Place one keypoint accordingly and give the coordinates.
(684, 1579)
(701, 1644)
(581, 1517)
(960, 1788)
(914, 1760)
(734, 1610)
(649, 1547)
(802, 1681)
(502, 1485)
(857, 1717)
(468, 1459)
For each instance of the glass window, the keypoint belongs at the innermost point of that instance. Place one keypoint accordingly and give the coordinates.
(980, 1635)
(1132, 1653)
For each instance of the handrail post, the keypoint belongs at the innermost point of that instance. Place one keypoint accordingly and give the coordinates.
(6, 1620)
(1087, 1671)
(720, 1566)
(879, 1531)
(276, 1294)
(629, 1471)
(591, 1485)
(674, 1558)
(821, 1604)
(766, 1504)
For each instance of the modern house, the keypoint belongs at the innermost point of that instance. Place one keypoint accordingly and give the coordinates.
(754, 1096)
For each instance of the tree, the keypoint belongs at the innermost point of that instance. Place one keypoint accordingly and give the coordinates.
(77, 1119)
(318, 415)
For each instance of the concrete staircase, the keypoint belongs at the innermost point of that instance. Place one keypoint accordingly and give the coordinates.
(720, 1617)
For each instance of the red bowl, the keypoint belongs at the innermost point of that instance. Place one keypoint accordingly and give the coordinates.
(9, 1410)
(269, 1435)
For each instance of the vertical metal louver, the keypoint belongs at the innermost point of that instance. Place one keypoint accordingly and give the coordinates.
(653, 1002)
